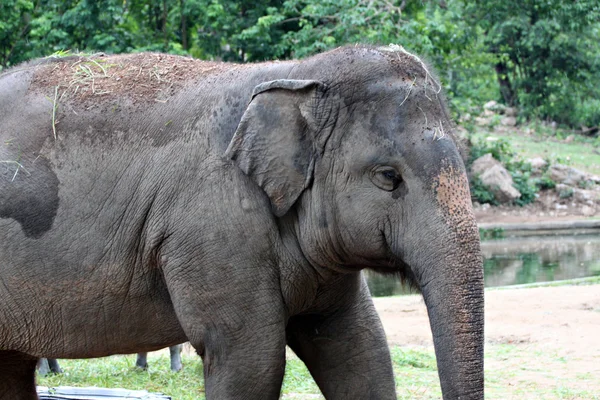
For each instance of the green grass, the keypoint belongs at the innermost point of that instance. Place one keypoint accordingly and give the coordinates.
(415, 371)
(590, 280)
(120, 372)
(582, 153)
(512, 372)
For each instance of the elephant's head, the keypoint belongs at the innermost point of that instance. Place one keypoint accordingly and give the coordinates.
(357, 146)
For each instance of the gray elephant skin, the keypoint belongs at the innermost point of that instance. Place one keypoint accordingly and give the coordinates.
(150, 199)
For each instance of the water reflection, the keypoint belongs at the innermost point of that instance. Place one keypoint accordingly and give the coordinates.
(540, 259)
(519, 260)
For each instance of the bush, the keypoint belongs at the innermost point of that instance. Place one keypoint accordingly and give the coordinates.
(500, 149)
(481, 193)
(519, 170)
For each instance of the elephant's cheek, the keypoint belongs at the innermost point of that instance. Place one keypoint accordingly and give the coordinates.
(451, 188)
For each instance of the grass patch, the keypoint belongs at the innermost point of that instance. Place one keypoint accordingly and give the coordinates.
(120, 372)
(512, 371)
(582, 153)
(590, 280)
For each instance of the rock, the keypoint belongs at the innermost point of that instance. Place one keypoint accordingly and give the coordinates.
(488, 113)
(595, 179)
(483, 121)
(588, 211)
(564, 191)
(465, 117)
(510, 112)
(583, 195)
(483, 163)
(508, 121)
(490, 105)
(564, 174)
(537, 163)
(496, 178)
(569, 139)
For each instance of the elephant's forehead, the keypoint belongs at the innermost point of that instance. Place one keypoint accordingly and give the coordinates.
(394, 107)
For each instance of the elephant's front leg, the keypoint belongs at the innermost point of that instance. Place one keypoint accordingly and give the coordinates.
(238, 328)
(346, 350)
(246, 363)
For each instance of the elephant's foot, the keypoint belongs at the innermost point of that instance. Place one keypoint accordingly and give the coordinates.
(17, 376)
(141, 361)
(176, 357)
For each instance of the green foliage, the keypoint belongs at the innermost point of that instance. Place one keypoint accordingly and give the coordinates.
(521, 175)
(544, 182)
(541, 55)
(481, 193)
(566, 193)
(547, 58)
(500, 149)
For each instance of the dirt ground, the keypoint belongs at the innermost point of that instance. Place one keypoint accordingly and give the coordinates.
(548, 207)
(561, 325)
(554, 331)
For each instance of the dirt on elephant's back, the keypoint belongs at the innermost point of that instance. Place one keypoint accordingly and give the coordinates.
(546, 337)
(141, 76)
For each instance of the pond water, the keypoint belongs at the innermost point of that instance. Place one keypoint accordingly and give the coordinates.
(522, 259)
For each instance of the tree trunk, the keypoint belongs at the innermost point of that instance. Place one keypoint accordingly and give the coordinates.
(184, 41)
(164, 25)
(506, 89)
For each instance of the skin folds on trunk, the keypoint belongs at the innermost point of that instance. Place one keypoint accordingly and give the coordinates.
(455, 308)
(445, 257)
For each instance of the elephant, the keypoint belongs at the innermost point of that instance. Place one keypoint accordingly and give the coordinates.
(150, 199)
(175, 353)
(47, 365)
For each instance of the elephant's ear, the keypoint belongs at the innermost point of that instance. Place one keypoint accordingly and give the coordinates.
(274, 143)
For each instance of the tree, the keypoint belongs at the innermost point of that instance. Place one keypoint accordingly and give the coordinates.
(546, 53)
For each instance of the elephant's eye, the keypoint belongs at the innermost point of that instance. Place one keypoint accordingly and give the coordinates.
(386, 178)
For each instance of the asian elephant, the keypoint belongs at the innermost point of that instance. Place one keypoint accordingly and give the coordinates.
(174, 352)
(150, 199)
(47, 365)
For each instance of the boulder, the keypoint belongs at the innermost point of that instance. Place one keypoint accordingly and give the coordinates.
(560, 173)
(483, 121)
(490, 105)
(496, 178)
(583, 195)
(508, 121)
(588, 211)
(537, 164)
(510, 112)
(564, 191)
(483, 163)
(586, 196)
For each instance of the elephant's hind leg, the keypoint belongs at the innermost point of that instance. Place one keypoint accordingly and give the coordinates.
(17, 376)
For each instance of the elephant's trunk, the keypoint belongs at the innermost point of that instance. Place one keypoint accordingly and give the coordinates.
(448, 267)
(455, 302)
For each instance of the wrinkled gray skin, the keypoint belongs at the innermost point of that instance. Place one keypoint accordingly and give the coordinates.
(235, 209)
(47, 365)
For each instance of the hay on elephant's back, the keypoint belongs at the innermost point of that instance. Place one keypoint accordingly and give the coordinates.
(141, 77)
